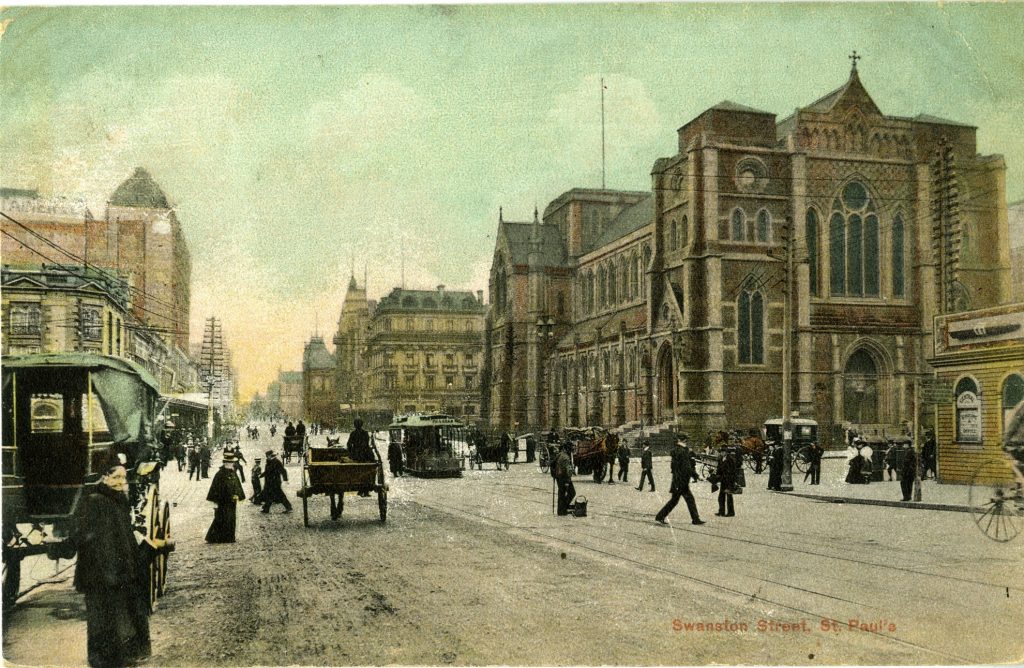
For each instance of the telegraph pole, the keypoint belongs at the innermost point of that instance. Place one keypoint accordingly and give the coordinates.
(787, 362)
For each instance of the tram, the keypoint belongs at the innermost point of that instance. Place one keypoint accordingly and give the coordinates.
(434, 445)
(65, 418)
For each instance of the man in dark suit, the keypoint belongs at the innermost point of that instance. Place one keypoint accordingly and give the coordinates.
(274, 475)
(562, 471)
(646, 466)
(683, 471)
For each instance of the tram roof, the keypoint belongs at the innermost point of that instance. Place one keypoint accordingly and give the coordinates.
(796, 421)
(83, 361)
(426, 420)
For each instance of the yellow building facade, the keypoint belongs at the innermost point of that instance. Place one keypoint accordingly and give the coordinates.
(979, 359)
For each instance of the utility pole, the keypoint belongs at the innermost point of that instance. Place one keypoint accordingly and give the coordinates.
(787, 366)
(602, 134)
(212, 363)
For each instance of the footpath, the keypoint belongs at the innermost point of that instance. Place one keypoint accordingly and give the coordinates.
(835, 489)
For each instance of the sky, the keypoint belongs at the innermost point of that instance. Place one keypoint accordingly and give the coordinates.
(300, 144)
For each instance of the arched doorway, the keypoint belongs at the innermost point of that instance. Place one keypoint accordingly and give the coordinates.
(861, 389)
(666, 385)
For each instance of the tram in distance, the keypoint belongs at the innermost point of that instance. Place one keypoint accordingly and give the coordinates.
(433, 444)
(66, 418)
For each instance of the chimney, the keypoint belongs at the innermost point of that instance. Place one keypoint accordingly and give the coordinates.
(440, 289)
(480, 296)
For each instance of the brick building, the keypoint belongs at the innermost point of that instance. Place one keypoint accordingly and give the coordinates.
(139, 238)
(674, 309)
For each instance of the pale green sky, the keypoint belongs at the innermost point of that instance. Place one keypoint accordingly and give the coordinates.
(294, 139)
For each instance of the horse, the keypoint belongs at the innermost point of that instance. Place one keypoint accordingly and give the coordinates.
(752, 445)
(597, 455)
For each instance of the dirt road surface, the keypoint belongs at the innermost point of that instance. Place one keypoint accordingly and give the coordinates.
(477, 570)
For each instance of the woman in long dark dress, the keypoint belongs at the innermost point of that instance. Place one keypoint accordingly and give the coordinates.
(226, 490)
(855, 475)
(108, 573)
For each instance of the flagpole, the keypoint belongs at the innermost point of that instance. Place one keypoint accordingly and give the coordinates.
(602, 135)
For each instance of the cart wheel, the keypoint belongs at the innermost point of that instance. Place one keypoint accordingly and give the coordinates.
(165, 535)
(750, 463)
(703, 471)
(12, 582)
(996, 500)
(305, 497)
(382, 503)
(543, 464)
(802, 459)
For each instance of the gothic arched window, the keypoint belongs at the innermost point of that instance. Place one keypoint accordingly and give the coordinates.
(813, 253)
(1013, 397)
(750, 328)
(602, 287)
(736, 225)
(684, 232)
(613, 284)
(854, 243)
(898, 287)
(764, 226)
(672, 231)
(634, 276)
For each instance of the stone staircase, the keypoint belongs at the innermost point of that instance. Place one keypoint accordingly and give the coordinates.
(661, 436)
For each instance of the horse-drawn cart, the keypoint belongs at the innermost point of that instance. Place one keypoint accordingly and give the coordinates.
(292, 445)
(594, 451)
(331, 472)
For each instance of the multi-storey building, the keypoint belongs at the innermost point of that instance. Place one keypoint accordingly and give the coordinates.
(139, 238)
(290, 394)
(77, 309)
(677, 303)
(319, 396)
(424, 352)
(350, 345)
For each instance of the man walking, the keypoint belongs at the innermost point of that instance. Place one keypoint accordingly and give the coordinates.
(395, 458)
(908, 471)
(726, 473)
(225, 490)
(683, 471)
(623, 462)
(204, 459)
(272, 492)
(257, 484)
(562, 470)
(646, 466)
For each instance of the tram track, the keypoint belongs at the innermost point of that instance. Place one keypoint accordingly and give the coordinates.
(742, 594)
(996, 586)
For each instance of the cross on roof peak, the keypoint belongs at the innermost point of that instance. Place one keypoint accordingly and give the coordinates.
(854, 57)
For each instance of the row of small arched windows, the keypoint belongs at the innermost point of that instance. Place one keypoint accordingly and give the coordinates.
(616, 281)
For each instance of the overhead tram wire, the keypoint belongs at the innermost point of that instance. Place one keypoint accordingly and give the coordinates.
(86, 277)
(85, 263)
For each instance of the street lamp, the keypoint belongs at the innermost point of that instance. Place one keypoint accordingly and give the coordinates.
(545, 336)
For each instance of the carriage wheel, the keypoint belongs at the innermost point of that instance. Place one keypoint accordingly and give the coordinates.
(12, 582)
(543, 464)
(802, 459)
(165, 535)
(305, 497)
(382, 504)
(751, 464)
(996, 500)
